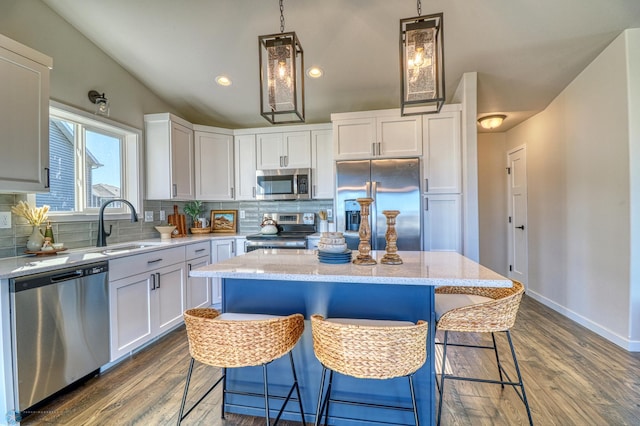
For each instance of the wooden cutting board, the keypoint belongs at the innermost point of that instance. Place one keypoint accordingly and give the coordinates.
(179, 221)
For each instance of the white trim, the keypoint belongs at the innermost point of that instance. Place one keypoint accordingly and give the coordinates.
(625, 343)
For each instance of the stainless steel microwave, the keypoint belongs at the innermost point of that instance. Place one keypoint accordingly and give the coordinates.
(283, 184)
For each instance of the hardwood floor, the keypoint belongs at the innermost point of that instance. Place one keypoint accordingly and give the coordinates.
(571, 375)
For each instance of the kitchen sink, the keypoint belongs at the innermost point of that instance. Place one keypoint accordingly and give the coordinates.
(127, 248)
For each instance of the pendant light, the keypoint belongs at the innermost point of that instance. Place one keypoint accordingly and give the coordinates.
(422, 63)
(281, 76)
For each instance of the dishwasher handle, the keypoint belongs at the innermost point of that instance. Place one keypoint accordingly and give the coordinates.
(67, 276)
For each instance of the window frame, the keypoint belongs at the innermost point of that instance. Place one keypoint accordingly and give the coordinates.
(131, 162)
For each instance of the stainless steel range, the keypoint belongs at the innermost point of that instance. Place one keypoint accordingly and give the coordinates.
(293, 229)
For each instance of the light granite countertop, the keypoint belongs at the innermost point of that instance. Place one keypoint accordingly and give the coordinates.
(419, 268)
(12, 267)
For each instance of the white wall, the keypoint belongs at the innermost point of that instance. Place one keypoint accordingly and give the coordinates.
(579, 196)
(78, 65)
(492, 181)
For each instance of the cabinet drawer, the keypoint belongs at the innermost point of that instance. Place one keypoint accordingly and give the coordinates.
(198, 250)
(140, 263)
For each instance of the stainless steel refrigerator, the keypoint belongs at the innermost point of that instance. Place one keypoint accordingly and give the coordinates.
(394, 184)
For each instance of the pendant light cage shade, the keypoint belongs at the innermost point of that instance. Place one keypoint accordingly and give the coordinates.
(281, 78)
(422, 64)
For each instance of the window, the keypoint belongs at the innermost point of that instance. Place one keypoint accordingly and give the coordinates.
(91, 160)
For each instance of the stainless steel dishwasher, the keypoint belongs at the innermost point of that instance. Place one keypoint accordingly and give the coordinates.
(60, 330)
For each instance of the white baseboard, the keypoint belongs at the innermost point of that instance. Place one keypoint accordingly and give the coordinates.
(625, 343)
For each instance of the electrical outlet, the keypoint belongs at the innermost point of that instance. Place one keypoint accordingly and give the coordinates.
(148, 216)
(163, 215)
(5, 220)
(241, 214)
(329, 213)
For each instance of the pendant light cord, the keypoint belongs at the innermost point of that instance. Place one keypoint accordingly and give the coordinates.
(281, 17)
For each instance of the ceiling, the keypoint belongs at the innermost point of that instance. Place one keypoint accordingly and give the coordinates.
(525, 52)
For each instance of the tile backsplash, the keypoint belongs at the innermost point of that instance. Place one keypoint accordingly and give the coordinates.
(79, 234)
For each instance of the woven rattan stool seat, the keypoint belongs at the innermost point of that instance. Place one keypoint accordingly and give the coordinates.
(235, 340)
(495, 312)
(366, 350)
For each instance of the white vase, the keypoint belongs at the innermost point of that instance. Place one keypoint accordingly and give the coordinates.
(36, 239)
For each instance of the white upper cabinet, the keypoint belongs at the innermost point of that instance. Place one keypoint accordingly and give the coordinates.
(288, 150)
(442, 161)
(170, 157)
(323, 175)
(214, 164)
(24, 118)
(376, 134)
(245, 167)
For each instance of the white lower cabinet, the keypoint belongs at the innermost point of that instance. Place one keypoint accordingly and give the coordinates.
(221, 249)
(198, 288)
(442, 229)
(144, 305)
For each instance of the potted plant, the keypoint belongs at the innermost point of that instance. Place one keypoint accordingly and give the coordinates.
(193, 210)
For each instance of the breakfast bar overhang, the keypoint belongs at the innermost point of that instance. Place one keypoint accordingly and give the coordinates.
(282, 282)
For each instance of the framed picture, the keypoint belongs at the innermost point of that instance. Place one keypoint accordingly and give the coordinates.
(224, 220)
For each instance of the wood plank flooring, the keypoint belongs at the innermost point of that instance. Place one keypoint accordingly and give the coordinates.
(572, 377)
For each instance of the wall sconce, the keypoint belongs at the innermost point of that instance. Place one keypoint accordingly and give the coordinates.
(281, 76)
(491, 121)
(101, 102)
(422, 64)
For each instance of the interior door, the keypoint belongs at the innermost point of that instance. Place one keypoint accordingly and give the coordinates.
(517, 231)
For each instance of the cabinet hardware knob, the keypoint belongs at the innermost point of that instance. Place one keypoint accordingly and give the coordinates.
(520, 227)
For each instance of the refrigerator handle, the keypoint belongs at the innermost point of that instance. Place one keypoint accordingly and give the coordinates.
(367, 189)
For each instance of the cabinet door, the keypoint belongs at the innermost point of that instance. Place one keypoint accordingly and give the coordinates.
(322, 159)
(214, 166)
(245, 167)
(170, 293)
(399, 136)
(442, 160)
(220, 250)
(24, 120)
(241, 246)
(130, 306)
(269, 151)
(198, 288)
(182, 170)
(354, 138)
(296, 150)
(442, 223)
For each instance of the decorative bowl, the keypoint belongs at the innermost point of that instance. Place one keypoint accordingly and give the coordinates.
(332, 248)
(325, 240)
(57, 246)
(165, 231)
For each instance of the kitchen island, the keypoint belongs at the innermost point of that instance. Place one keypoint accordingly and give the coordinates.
(282, 282)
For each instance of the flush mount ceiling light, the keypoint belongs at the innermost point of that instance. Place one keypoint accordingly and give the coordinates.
(101, 102)
(422, 63)
(315, 72)
(223, 80)
(491, 121)
(281, 76)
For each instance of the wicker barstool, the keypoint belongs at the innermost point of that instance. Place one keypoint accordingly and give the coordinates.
(479, 310)
(368, 349)
(241, 340)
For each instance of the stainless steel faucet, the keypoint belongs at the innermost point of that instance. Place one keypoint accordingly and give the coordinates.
(102, 233)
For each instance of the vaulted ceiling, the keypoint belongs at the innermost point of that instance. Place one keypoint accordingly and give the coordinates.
(525, 52)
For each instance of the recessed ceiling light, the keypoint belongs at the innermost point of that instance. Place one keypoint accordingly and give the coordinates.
(314, 72)
(223, 80)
